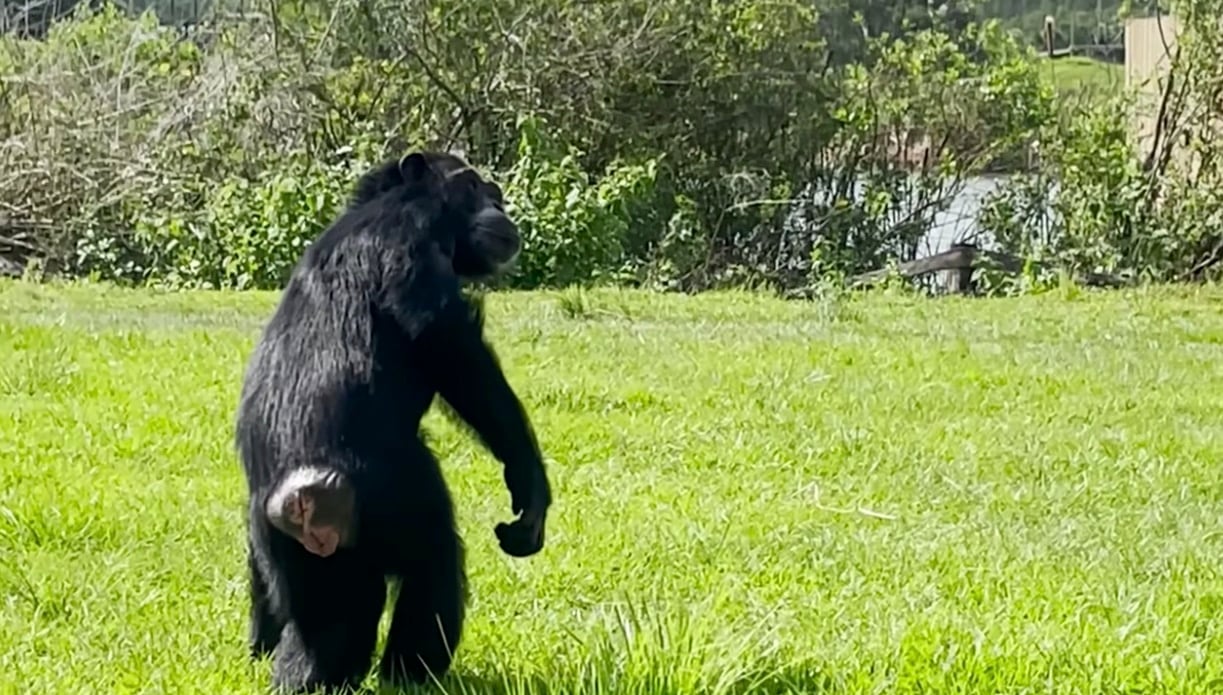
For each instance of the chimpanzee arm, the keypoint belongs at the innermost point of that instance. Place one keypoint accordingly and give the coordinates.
(448, 340)
(469, 379)
(448, 334)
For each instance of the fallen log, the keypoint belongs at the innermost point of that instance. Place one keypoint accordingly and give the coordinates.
(15, 252)
(961, 260)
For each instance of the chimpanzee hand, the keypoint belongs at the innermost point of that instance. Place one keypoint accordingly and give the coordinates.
(531, 496)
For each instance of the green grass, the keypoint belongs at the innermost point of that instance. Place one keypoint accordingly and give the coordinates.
(875, 495)
(1079, 75)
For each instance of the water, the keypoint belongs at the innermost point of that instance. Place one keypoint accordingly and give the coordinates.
(958, 221)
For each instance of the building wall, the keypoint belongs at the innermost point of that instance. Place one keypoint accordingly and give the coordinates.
(1149, 44)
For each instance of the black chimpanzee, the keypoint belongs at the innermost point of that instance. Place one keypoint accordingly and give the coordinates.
(343, 493)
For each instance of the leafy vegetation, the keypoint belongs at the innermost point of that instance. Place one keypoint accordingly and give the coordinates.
(675, 145)
(854, 495)
(1102, 198)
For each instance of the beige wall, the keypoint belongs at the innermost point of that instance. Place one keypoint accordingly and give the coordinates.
(1149, 44)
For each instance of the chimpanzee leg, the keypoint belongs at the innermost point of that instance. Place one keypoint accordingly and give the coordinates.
(265, 627)
(427, 622)
(334, 606)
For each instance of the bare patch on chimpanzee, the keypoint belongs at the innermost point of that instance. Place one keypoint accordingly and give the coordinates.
(317, 507)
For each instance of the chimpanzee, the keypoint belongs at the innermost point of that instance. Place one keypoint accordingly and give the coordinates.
(343, 492)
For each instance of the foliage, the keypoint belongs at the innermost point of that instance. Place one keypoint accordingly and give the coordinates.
(683, 141)
(923, 117)
(573, 230)
(676, 145)
(1103, 200)
(1091, 218)
(250, 233)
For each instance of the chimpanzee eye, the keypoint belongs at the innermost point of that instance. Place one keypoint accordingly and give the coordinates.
(468, 181)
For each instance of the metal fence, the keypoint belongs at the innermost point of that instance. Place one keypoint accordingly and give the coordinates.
(34, 17)
(1090, 27)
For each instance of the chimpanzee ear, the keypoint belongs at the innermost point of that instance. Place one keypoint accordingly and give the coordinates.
(416, 168)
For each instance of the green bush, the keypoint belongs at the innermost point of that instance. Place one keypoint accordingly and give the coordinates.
(1099, 202)
(251, 233)
(1083, 206)
(574, 230)
(680, 145)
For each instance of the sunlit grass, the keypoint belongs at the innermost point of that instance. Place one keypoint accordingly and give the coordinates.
(855, 496)
(1080, 77)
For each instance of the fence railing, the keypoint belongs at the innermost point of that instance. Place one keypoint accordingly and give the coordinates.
(34, 17)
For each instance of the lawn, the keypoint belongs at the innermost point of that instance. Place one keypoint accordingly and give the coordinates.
(884, 494)
(1080, 75)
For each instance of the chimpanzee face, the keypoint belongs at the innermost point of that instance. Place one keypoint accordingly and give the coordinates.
(492, 240)
(485, 240)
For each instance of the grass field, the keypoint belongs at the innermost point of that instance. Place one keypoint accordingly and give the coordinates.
(876, 495)
(1080, 75)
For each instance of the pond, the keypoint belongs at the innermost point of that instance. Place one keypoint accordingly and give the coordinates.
(959, 221)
